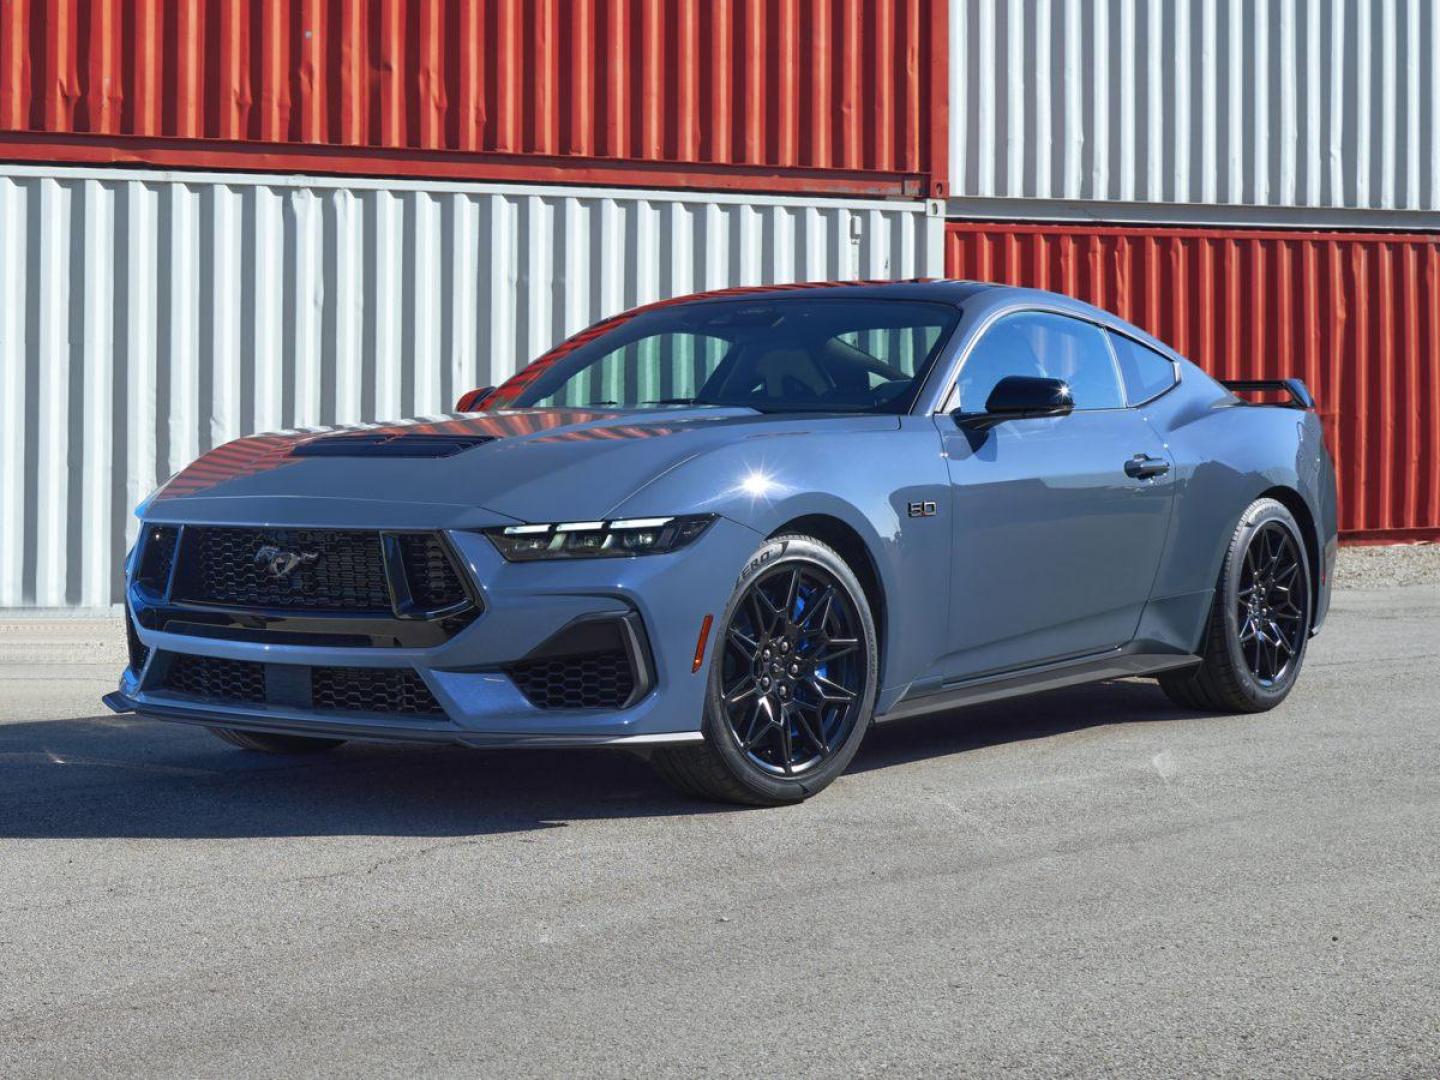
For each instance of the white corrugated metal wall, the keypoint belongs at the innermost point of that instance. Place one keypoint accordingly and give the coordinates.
(1275, 103)
(146, 317)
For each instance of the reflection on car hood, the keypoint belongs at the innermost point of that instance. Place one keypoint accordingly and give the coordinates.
(528, 464)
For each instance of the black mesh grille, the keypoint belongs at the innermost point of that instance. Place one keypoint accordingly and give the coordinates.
(215, 679)
(590, 681)
(337, 570)
(433, 580)
(375, 690)
(157, 557)
(138, 651)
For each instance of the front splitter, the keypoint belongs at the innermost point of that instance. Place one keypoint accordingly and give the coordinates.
(359, 729)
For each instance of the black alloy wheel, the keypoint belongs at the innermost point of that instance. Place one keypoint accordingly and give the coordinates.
(793, 672)
(1271, 603)
(792, 681)
(1259, 623)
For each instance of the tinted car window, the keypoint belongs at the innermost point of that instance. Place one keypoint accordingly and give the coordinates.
(1044, 345)
(788, 354)
(655, 367)
(1146, 372)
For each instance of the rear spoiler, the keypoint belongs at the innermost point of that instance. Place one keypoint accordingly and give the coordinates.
(1300, 397)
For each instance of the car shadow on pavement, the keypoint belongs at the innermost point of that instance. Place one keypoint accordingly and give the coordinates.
(129, 777)
(1037, 716)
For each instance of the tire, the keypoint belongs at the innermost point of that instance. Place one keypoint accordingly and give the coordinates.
(268, 743)
(1259, 622)
(797, 726)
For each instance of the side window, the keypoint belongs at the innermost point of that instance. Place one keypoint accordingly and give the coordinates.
(661, 367)
(1147, 374)
(1047, 346)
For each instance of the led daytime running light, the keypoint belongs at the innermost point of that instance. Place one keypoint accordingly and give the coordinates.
(621, 538)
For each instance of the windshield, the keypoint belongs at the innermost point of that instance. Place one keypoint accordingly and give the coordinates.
(790, 354)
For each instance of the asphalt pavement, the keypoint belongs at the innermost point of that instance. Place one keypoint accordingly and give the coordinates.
(1083, 883)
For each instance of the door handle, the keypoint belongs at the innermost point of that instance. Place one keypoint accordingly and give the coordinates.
(1143, 467)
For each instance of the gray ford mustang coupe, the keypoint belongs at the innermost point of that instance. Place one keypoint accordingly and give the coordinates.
(731, 531)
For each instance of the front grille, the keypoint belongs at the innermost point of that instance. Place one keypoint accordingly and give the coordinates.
(338, 570)
(214, 679)
(138, 651)
(434, 584)
(601, 680)
(375, 690)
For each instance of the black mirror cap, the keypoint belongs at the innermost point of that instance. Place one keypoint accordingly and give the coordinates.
(1028, 395)
(1021, 397)
(470, 402)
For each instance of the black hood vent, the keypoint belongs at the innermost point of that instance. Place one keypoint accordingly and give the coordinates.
(390, 444)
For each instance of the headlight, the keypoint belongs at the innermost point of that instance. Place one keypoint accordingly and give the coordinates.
(597, 539)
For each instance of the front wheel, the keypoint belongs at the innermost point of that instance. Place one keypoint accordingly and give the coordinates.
(793, 672)
(1259, 621)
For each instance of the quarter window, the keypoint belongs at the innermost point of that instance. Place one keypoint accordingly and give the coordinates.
(1147, 373)
(1046, 346)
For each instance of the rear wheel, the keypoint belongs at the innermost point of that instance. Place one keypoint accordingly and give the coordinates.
(1259, 622)
(792, 681)
(269, 743)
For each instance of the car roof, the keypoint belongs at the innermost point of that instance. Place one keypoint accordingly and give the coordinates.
(953, 292)
(987, 296)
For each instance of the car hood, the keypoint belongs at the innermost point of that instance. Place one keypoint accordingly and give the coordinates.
(522, 464)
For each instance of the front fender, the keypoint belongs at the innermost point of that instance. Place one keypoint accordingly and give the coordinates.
(864, 476)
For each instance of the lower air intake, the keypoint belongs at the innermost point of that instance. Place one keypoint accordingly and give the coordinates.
(590, 681)
(397, 691)
(217, 680)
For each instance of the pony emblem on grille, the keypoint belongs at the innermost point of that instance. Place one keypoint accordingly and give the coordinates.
(279, 563)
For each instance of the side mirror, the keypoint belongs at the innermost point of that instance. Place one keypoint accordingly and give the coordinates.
(1021, 397)
(470, 402)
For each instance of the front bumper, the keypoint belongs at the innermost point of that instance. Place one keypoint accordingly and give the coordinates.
(525, 605)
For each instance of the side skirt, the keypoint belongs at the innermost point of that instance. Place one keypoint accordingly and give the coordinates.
(1118, 663)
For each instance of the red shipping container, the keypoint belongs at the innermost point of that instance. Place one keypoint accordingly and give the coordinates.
(1356, 315)
(815, 96)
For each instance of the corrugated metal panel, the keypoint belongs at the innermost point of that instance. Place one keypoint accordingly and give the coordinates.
(816, 95)
(1317, 103)
(1355, 315)
(146, 317)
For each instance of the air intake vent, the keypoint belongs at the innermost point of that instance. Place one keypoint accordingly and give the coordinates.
(592, 681)
(218, 680)
(157, 556)
(397, 691)
(388, 444)
(138, 650)
(434, 584)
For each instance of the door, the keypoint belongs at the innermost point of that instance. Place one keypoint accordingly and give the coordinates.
(1059, 522)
